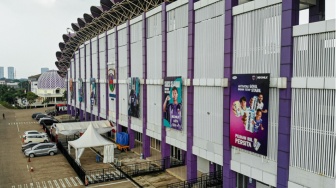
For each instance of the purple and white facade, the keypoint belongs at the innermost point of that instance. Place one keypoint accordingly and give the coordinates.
(205, 42)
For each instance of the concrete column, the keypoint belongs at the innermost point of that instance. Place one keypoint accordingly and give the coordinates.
(229, 176)
(165, 148)
(98, 78)
(107, 84)
(191, 158)
(145, 138)
(317, 12)
(118, 126)
(131, 135)
(290, 17)
(212, 167)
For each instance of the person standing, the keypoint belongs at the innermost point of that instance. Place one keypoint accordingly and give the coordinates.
(3, 116)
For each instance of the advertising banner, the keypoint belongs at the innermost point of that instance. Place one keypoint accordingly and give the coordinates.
(134, 97)
(112, 86)
(93, 91)
(80, 89)
(172, 104)
(71, 88)
(249, 114)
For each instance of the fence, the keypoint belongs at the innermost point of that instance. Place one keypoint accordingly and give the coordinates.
(103, 175)
(214, 179)
(78, 169)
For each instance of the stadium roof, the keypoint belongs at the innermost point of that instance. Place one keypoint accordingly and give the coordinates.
(111, 13)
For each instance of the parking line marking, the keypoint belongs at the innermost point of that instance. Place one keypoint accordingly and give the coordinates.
(79, 181)
(38, 184)
(67, 181)
(56, 184)
(73, 181)
(61, 181)
(50, 184)
(19, 186)
(13, 186)
(18, 128)
(31, 185)
(25, 186)
(44, 184)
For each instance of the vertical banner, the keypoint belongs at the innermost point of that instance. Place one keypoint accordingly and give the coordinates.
(249, 114)
(80, 90)
(172, 104)
(112, 86)
(93, 91)
(71, 88)
(134, 97)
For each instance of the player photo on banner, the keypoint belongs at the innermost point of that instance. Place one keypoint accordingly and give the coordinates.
(172, 104)
(93, 91)
(249, 113)
(80, 90)
(134, 97)
(112, 86)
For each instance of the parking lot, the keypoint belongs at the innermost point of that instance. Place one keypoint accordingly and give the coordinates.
(48, 171)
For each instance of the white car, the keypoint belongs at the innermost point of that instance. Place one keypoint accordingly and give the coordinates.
(35, 138)
(31, 132)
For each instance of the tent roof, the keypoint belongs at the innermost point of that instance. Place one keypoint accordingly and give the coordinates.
(91, 138)
(81, 126)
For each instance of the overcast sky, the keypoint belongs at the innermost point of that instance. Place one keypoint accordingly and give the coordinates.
(31, 30)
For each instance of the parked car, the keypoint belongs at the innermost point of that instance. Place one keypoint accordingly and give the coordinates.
(35, 114)
(29, 145)
(31, 132)
(41, 149)
(35, 138)
(39, 116)
(48, 121)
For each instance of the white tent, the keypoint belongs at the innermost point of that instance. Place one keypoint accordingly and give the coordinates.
(77, 127)
(91, 138)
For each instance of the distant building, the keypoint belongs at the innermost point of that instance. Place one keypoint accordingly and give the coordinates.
(2, 73)
(10, 72)
(14, 85)
(33, 80)
(44, 69)
(51, 86)
(2, 82)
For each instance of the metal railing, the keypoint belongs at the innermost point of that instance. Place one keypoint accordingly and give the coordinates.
(143, 168)
(213, 179)
(103, 175)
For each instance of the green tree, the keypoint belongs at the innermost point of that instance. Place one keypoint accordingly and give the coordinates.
(8, 94)
(65, 95)
(31, 97)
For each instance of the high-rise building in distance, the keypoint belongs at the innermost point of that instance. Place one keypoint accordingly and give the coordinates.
(2, 73)
(10, 72)
(44, 69)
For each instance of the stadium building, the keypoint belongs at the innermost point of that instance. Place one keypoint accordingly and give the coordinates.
(233, 87)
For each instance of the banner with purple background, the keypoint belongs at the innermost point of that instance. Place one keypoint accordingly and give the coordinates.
(249, 113)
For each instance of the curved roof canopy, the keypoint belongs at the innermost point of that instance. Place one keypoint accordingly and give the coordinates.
(110, 14)
(96, 11)
(75, 26)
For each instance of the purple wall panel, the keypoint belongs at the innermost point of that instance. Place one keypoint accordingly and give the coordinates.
(130, 131)
(290, 13)
(229, 177)
(107, 84)
(191, 158)
(145, 138)
(117, 85)
(98, 78)
(165, 148)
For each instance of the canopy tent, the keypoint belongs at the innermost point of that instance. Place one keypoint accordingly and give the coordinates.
(77, 127)
(91, 138)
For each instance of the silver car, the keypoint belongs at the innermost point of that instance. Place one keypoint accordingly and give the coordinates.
(41, 149)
